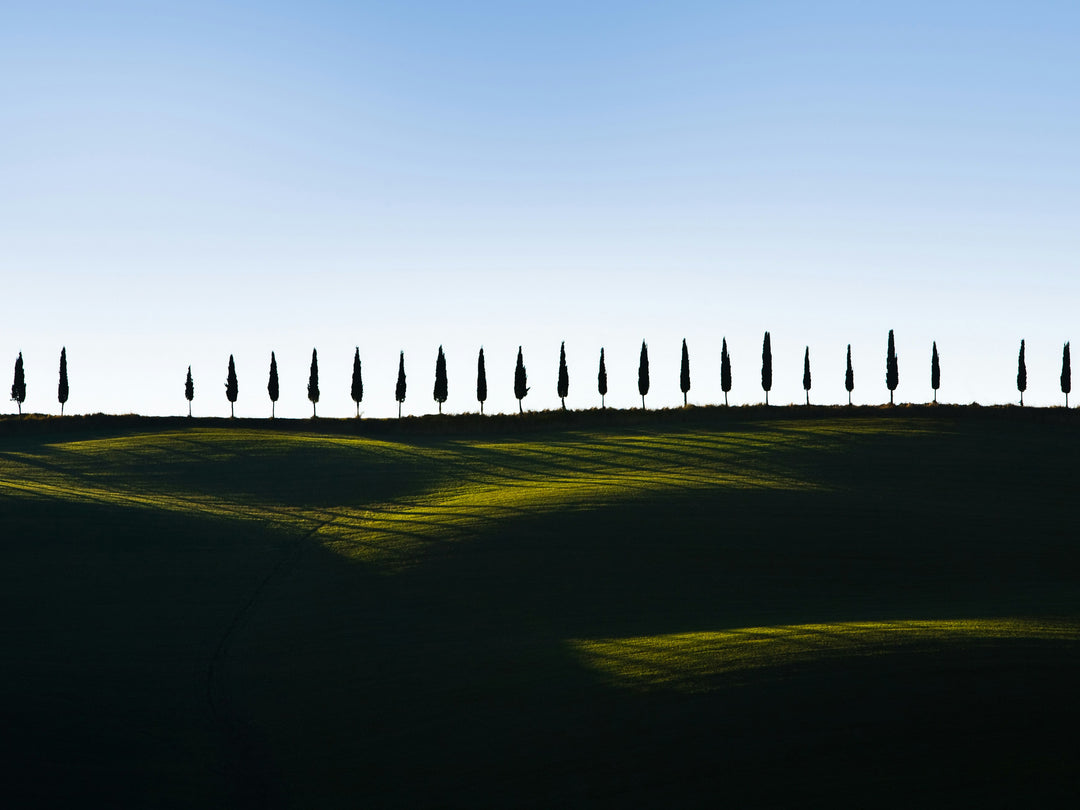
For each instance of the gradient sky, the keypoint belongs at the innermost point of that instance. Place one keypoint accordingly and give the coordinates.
(182, 181)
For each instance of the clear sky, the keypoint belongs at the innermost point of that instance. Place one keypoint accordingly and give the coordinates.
(182, 181)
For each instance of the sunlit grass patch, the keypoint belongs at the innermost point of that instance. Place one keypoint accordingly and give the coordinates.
(385, 501)
(689, 661)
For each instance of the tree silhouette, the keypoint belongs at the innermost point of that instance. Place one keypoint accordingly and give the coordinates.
(356, 391)
(892, 373)
(766, 366)
(232, 389)
(1021, 374)
(189, 391)
(643, 373)
(564, 376)
(725, 370)
(849, 376)
(272, 385)
(399, 391)
(1066, 374)
(313, 382)
(481, 380)
(806, 374)
(18, 385)
(684, 373)
(601, 379)
(521, 387)
(440, 379)
(62, 389)
(935, 371)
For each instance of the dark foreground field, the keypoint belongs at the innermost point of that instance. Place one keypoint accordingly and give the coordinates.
(676, 611)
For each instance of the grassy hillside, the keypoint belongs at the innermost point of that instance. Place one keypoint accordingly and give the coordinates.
(681, 609)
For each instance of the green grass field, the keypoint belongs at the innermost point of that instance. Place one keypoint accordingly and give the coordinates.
(685, 610)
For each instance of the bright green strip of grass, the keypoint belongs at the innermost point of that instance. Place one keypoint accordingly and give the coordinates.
(688, 661)
(386, 502)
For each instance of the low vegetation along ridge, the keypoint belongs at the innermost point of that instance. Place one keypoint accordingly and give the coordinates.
(521, 386)
(779, 611)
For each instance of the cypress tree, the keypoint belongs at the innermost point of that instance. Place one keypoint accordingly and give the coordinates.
(399, 391)
(313, 382)
(272, 385)
(1021, 374)
(481, 380)
(62, 389)
(601, 379)
(440, 379)
(935, 371)
(766, 366)
(1066, 374)
(725, 370)
(806, 374)
(18, 385)
(189, 391)
(684, 373)
(521, 387)
(892, 373)
(232, 388)
(356, 391)
(849, 376)
(564, 376)
(643, 373)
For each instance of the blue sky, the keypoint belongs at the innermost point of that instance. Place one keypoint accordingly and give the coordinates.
(182, 181)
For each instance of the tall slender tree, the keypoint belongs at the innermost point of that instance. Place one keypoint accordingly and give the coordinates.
(643, 373)
(684, 373)
(935, 371)
(399, 390)
(766, 366)
(272, 387)
(601, 379)
(440, 390)
(356, 390)
(62, 389)
(189, 391)
(806, 374)
(1066, 374)
(563, 387)
(18, 385)
(1021, 374)
(725, 370)
(313, 382)
(481, 380)
(521, 387)
(232, 388)
(892, 373)
(849, 376)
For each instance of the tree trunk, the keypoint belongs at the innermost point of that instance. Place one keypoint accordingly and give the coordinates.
(399, 410)
(357, 410)
(563, 402)
(890, 397)
(440, 408)
(642, 402)
(849, 398)
(1021, 399)
(807, 397)
(61, 408)
(684, 399)
(766, 397)
(520, 409)
(312, 410)
(189, 409)
(481, 407)
(232, 410)
(935, 396)
(603, 407)
(273, 408)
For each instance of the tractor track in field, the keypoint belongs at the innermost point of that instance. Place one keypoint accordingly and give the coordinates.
(249, 765)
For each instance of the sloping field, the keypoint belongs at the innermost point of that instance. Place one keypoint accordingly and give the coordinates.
(816, 611)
